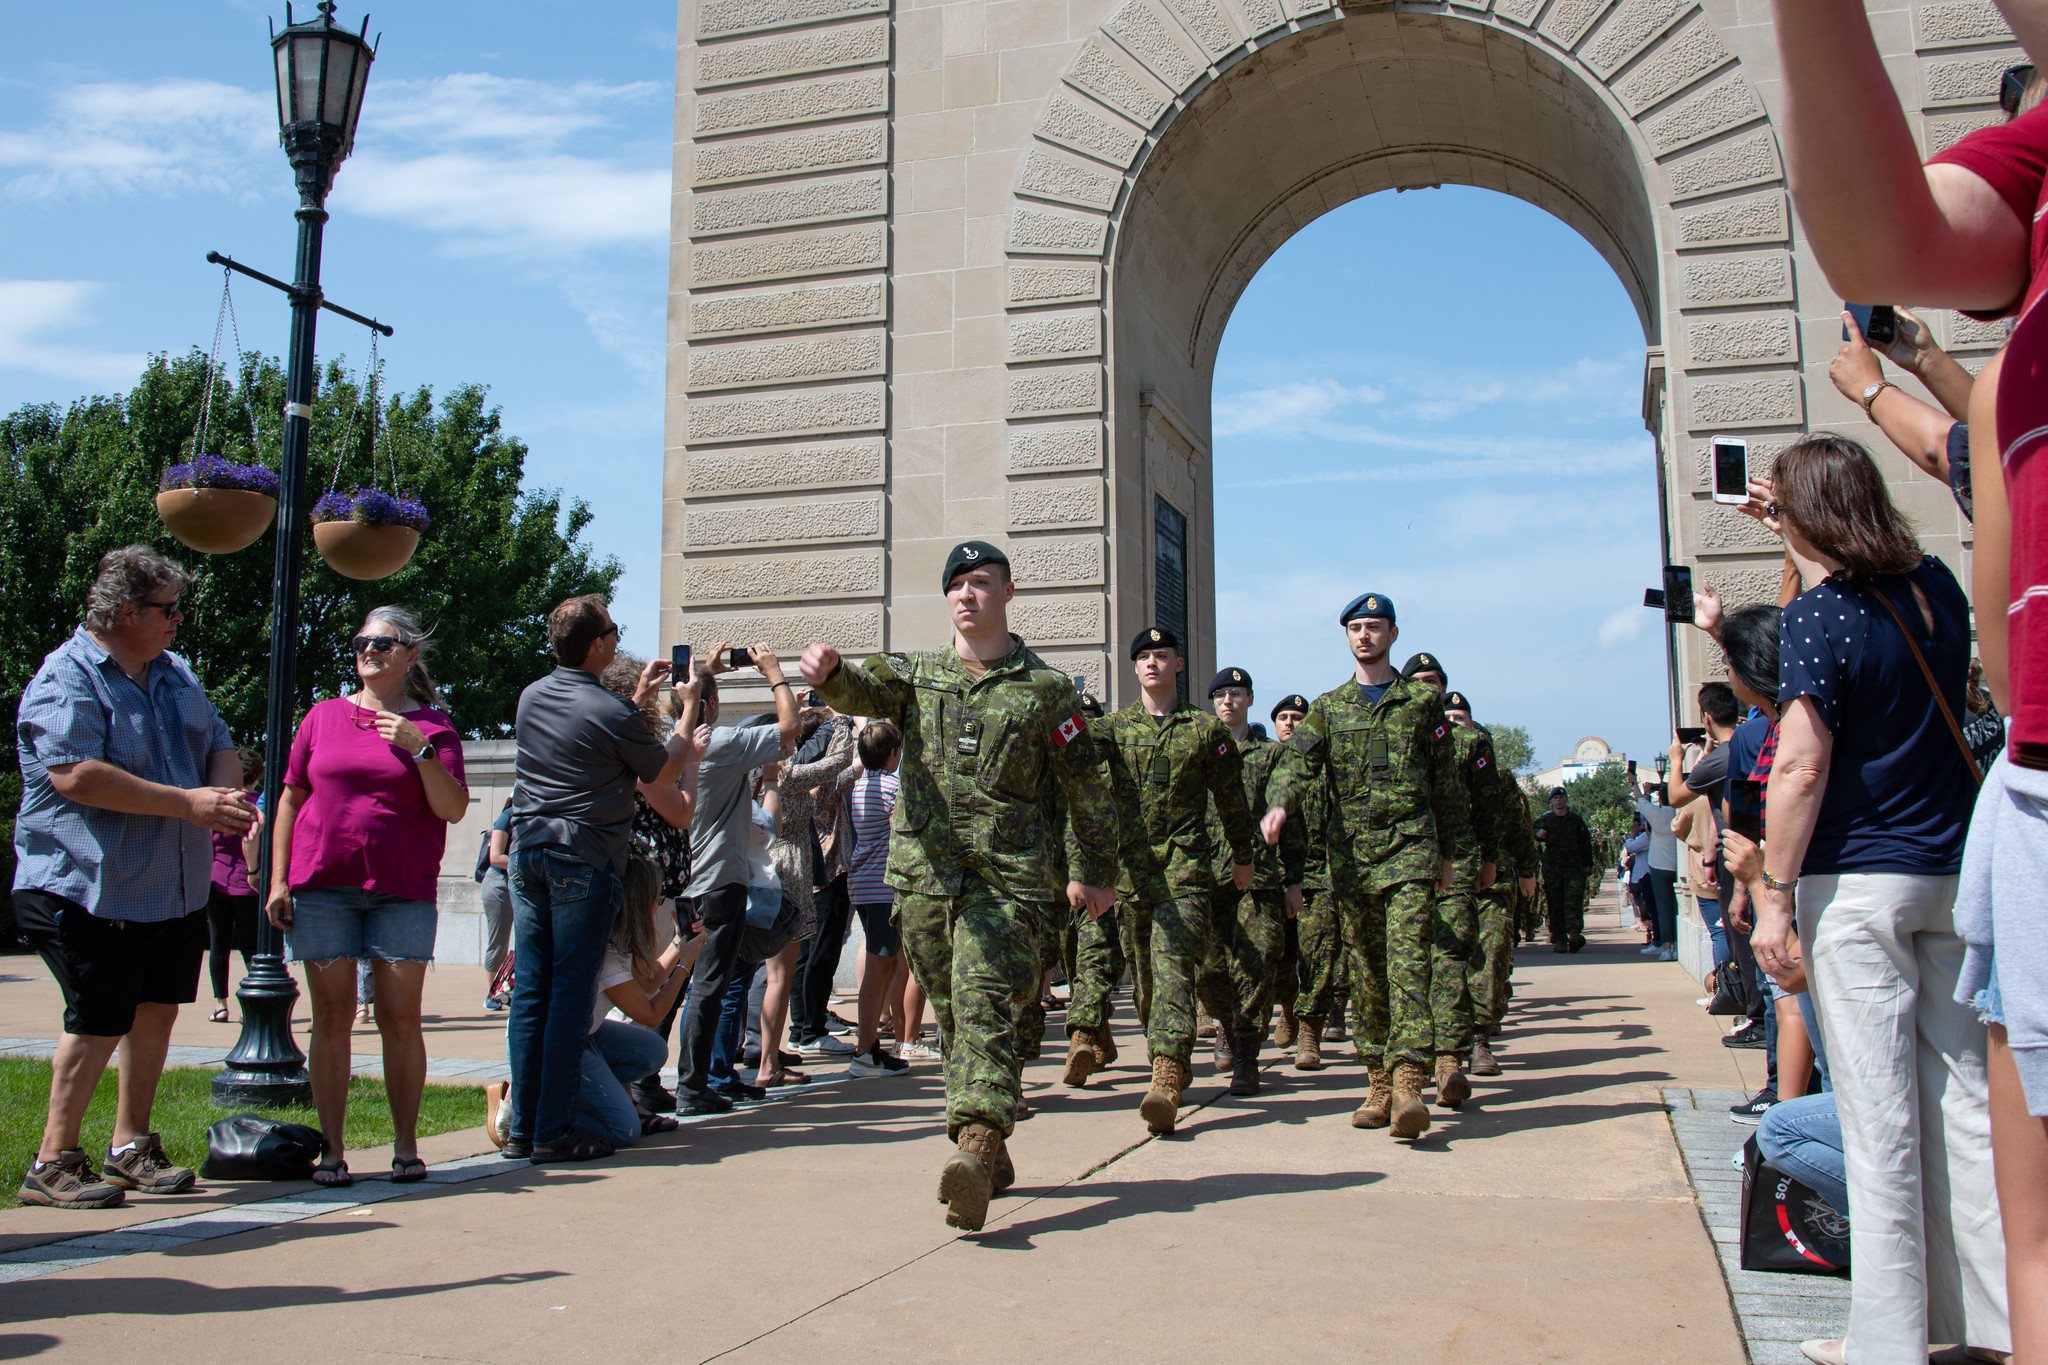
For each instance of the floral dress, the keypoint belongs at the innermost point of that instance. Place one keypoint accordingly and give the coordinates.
(795, 832)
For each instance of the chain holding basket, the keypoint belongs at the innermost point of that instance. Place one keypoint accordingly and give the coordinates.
(211, 504)
(365, 533)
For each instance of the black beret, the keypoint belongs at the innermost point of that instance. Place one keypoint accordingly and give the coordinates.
(970, 554)
(1293, 701)
(1455, 701)
(1229, 677)
(1368, 604)
(1154, 637)
(1090, 706)
(1424, 663)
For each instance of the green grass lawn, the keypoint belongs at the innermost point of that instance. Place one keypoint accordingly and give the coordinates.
(184, 1108)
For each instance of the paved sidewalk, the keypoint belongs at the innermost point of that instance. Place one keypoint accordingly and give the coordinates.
(1551, 1220)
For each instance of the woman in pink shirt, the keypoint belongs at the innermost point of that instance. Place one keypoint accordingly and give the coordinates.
(373, 783)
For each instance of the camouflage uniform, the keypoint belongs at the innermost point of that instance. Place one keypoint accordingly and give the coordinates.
(1455, 951)
(1241, 971)
(1497, 905)
(968, 847)
(1396, 807)
(1567, 858)
(1097, 953)
(1167, 769)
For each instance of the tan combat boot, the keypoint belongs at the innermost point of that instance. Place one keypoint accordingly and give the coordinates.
(1308, 1044)
(1082, 1057)
(1378, 1108)
(1161, 1105)
(1410, 1118)
(1205, 1027)
(1226, 1053)
(1004, 1175)
(1483, 1062)
(968, 1181)
(1105, 1048)
(1452, 1089)
(1283, 1032)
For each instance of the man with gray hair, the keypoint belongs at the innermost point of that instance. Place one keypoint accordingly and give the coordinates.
(126, 771)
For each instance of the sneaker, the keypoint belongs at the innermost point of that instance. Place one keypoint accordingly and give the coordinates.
(1749, 1035)
(690, 1101)
(142, 1166)
(654, 1097)
(492, 1004)
(841, 1025)
(69, 1182)
(827, 1046)
(1649, 950)
(739, 1092)
(875, 1062)
(1753, 1109)
(1666, 955)
(917, 1052)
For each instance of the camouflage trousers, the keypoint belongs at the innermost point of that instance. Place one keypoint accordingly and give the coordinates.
(1567, 906)
(1322, 954)
(1496, 961)
(1452, 953)
(977, 957)
(1392, 936)
(1530, 914)
(1165, 944)
(1097, 966)
(1240, 972)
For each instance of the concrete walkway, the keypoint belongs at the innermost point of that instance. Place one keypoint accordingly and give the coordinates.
(1550, 1221)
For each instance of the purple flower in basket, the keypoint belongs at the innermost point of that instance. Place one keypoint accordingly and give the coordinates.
(211, 471)
(372, 508)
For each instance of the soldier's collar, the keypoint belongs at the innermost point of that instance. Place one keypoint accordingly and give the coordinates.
(1013, 659)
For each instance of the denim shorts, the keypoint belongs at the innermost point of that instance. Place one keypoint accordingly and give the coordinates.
(1989, 1004)
(346, 921)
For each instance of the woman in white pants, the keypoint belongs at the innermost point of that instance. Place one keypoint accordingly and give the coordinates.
(1867, 807)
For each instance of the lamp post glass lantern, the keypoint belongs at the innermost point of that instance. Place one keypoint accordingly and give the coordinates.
(321, 71)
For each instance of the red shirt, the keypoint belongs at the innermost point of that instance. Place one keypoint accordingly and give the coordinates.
(2013, 159)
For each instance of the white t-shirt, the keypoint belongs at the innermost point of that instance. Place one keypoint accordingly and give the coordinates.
(616, 969)
(1663, 843)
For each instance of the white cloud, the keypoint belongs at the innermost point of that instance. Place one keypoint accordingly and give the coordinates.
(521, 203)
(1313, 407)
(1623, 625)
(153, 137)
(1288, 405)
(29, 309)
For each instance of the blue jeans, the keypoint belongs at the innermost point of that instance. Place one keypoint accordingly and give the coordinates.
(730, 1039)
(1663, 887)
(1803, 1138)
(616, 1056)
(562, 911)
(1710, 915)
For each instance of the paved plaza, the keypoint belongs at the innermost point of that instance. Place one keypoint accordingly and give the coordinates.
(1552, 1220)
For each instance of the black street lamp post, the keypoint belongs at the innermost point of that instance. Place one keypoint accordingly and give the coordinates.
(321, 70)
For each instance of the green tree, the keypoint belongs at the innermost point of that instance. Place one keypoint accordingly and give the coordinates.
(1512, 748)
(1603, 800)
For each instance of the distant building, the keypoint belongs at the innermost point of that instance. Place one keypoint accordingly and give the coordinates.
(1587, 757)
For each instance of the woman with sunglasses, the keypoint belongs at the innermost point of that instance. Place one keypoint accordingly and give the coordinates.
(374, 780)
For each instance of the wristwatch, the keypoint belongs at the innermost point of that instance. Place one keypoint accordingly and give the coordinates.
(426, 752)
(1870, 394)
(1774, 884)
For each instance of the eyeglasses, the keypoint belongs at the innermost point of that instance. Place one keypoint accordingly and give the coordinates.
(169, 609)
(2012, 87)
(374, 644)
(613, 629)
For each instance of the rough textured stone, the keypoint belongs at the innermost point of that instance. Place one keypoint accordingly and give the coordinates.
(1762, 401)
(1523, 12)
(761, 59)
(803, 102)
(757, 158)
(726, 18)
(1116, 82)
(1301, 9)
(1745, 221)
(1034, 285)
(790, 255)
(1946, 131)
(781, 578)
(780, 310)
(1632, 26)
(1725, 103)
(825, 200)
(1053, 336)
(1689, 53)
(849, 355)
(1745, 277)
(790, 522)
(856, 630)
(1051, 449)
(1567, 21)
(1725, 530)
(1062, 392)
(1153, 39)
(1066, 619)
(1261, 16)
(1055, 504)
(1965, 80)
(1093, 666)
(1084, 126)
(1048, 174)
(1745, 586)
(1207, 24)
(847, 407)
(1057, 561)
(1750, 339)
(1751, 159)
(1972, 21)
(783, 469)
(1970, 333)
(1763, 453)
(1060, 234)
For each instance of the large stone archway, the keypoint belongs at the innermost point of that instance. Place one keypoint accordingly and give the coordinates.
(962, 269)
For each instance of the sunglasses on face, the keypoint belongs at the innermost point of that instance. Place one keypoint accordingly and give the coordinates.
(374, 644)
(613, 629)
(169, 609)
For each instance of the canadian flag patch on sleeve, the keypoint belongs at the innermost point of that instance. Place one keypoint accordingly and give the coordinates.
(1223, 749)
(1479, 762)
(1441, 731)
(1069, 730)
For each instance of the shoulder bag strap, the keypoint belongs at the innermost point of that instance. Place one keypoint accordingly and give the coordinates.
(1976, 773)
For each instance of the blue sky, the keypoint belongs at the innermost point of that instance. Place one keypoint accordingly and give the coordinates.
(1436, 392)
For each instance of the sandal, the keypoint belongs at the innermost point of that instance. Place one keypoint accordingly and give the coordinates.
(575, 1145)
(333, 1175)
(651, 1124)
(219, 1016)
(406, 1170)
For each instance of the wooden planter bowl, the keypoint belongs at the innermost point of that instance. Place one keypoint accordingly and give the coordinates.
(216, 521)
(356, 549)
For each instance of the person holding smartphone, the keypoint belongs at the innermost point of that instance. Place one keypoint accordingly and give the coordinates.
(1936, 440)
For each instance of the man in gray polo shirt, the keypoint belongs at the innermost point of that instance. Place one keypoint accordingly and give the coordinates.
(581, 749)
(718, 862)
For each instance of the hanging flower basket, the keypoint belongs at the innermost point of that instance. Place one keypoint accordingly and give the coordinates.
(366, 534)
(215, 507)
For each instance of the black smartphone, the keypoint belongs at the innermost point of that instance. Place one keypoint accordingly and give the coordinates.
(1745, 812)
(738, 658)
(1877, 321)
(1692, 734)
(1731, 470)
(1653, 597)
(679, 665)
(1677, 593)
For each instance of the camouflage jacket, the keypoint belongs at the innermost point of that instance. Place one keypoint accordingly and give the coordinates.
(1482, 778)
(1167, 770)
(1389, 773)
(1565, 844)
(1518, 845)
(1276, 866)
(981, 757)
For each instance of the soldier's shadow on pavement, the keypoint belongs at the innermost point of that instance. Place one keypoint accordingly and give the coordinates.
(165, 1296)
(1098, 1203)
(22, 1345)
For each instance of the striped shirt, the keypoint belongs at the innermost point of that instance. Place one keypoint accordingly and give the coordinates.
(874, 800)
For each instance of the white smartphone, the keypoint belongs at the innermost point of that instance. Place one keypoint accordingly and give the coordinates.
(1731, 470)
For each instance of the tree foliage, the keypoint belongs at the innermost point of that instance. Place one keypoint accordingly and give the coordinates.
(1512, 748)
(1603, 800)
